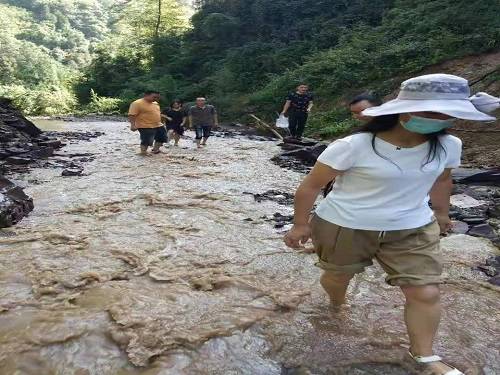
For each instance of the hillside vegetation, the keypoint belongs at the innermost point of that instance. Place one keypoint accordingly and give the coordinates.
(44, 44)
(242, 54)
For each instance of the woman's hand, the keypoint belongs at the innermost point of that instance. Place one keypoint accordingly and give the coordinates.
(305, 196)
(298, 235)
(444, 222)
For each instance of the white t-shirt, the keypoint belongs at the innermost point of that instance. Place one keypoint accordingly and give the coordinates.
(379, 194)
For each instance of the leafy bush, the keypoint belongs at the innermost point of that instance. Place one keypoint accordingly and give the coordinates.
(41, 100)
(102, 105)
(329, 124)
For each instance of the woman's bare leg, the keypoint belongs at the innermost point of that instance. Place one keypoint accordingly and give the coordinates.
(422, 316)
(335, 284)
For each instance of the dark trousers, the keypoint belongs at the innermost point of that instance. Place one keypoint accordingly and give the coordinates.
(149, 136)
(297, 123)
(203, 131)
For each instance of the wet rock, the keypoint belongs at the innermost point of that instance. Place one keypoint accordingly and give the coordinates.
(14, 203)
(291, 163)
(308, 155)
(494, 210)
(56, 143)
(77, 155)
(483, 230)
(72, 137)
(491, 267)
(470, 208)
(300, 142)
(488, 177)
(495, 223)
(17, 160)
(299, 155)
(16, 150)
(465, 201)
(275, 196)
(494, 262)
(12, 119)
(22, 142)
(459, 227)
(23, 145)
(481, 193)
(289, 146)
(459, 174)
(474, 220)
(495, 280)
(72, 172)
(42, 152)
(488, 270)
(279, 220)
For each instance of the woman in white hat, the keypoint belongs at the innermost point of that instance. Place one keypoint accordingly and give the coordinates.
(385, 177)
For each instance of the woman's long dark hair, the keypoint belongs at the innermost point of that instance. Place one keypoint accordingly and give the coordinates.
(387, 122)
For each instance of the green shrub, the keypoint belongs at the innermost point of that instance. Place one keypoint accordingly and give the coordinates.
(41, 100)
(102, 105)
(330, 124)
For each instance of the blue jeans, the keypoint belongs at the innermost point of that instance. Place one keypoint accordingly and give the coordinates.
(203, 131)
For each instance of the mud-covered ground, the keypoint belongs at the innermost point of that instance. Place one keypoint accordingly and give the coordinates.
(163, 265)
(481, 144)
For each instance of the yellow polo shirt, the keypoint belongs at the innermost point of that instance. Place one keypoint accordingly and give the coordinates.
(147, 115)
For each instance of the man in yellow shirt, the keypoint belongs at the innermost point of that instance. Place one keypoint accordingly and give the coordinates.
(144, 115)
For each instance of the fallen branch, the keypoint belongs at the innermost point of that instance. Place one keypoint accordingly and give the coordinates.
(267, 126)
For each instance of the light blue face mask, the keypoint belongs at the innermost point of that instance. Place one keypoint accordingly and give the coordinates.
(423, 125)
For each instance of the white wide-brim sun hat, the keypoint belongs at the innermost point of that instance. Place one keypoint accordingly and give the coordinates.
(440, 93)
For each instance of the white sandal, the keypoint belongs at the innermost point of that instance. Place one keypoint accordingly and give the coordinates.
(435, 358)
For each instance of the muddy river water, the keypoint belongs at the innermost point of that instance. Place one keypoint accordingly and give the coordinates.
(161, 265)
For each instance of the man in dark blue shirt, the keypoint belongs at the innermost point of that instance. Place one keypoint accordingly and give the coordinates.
(297, 106)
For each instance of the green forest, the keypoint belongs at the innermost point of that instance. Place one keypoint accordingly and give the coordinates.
(95, 56)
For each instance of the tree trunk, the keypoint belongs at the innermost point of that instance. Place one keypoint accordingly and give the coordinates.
(158, 22)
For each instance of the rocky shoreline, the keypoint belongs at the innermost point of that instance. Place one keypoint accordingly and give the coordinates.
(24, 146)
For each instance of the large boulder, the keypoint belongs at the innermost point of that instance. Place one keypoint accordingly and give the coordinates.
(14, 203)
(308, 155)
(12, 118)
(21, 142)
(477, 176)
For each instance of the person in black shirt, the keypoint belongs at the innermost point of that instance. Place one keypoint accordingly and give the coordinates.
(297, 106)
(175, 118)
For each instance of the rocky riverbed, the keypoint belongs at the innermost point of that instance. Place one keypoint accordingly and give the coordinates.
(175, 264)
(24, 146)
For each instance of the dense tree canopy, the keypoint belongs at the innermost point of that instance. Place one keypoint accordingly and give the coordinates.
(246, 54)
(44, 43)
(243, 54)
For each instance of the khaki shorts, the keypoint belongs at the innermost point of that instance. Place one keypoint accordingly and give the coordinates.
(409, 257)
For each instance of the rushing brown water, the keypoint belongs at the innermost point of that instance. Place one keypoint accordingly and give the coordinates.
(151, 266)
